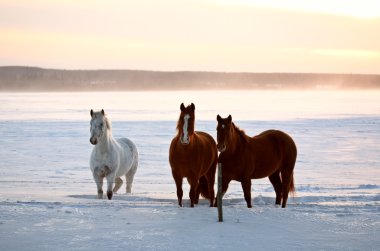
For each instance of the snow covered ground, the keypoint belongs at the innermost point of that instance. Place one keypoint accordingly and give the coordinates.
(47, 195)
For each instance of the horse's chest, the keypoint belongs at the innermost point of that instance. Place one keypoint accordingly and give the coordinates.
(105, 159)
(235, 168)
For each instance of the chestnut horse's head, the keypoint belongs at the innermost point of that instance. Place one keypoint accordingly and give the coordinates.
(224, 133)
(185, 125)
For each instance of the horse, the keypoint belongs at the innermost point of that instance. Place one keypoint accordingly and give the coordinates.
(111, 158)
(193, 154)
(271, 154)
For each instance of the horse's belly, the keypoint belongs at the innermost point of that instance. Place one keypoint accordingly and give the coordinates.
(262, 172)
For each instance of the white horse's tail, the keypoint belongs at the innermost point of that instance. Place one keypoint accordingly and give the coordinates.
(102, 171)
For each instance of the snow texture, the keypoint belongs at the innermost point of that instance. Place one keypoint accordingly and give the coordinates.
(48, 196)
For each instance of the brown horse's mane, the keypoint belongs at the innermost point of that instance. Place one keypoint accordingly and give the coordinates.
(179, 124)
(241, 133)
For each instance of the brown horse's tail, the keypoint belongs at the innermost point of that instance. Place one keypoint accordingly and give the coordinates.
(203, 187)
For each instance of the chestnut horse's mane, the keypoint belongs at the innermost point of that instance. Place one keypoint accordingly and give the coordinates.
(240, 132)
(179, 124)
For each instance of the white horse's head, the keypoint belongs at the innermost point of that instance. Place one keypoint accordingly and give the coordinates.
(99, 126)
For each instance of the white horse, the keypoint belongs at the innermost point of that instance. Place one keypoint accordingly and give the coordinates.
(111, 158)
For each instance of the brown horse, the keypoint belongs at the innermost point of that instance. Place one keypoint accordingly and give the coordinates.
(270, 154)
(193, 155)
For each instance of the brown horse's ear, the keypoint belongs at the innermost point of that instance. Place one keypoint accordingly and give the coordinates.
(92, 113)
(182, 107)
(218, 118)
(229, 119)
(103, 112)
(192, 106)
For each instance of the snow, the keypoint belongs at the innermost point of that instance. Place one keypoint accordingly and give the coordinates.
(48, 197)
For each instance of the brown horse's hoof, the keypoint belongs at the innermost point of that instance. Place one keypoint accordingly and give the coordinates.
(249, 206)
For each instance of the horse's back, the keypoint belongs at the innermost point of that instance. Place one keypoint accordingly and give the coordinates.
(206, 138)
(129, 153)
(271, 147)
(127, 144)
(276, 137)
(209, 144)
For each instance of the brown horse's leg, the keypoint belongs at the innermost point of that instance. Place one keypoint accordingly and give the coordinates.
(287, 178)
(277, 185)
(193, 191)
(197, 193)
(211, 192)
(178, 183)
(246, 185)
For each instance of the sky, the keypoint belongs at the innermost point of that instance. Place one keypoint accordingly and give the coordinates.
(327, 36)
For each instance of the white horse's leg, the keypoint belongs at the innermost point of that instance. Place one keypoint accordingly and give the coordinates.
(129, 177)
(118, 183)
(110, 181)
(99, 184)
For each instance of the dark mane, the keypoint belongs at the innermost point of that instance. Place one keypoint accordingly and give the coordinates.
(179, 124)
(241, 133)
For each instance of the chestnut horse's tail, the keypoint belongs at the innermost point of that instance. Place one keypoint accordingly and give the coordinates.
(203, 187)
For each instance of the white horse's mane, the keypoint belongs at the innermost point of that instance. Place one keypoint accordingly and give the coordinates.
(108, 123)
(105, 119)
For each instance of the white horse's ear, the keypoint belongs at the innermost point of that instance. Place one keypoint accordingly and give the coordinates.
(92, 113)
(103, 112)
(182, 107)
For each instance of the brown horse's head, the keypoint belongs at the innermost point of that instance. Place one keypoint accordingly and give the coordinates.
(185, 125)
(224, 132)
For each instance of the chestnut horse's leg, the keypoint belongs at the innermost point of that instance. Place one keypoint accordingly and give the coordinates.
(193, 191)
(210, 177)
(211, 192)
(197, 193)
(246, 185)
(286, 180)
(277, 185)
(178, 183)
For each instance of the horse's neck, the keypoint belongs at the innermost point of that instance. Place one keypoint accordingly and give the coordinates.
(238, 141)
(105, 142)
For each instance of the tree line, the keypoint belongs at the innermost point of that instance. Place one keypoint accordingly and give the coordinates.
(19, 78)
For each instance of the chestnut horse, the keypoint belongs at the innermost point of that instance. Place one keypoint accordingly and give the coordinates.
(270, 154)
(193, 155)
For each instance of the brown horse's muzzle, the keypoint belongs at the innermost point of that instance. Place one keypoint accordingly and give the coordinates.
(221, 147)
(185, 141)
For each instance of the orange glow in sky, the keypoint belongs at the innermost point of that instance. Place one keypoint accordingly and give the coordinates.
(207, 35)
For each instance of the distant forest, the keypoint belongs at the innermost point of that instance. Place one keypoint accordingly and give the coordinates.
(18, 78)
